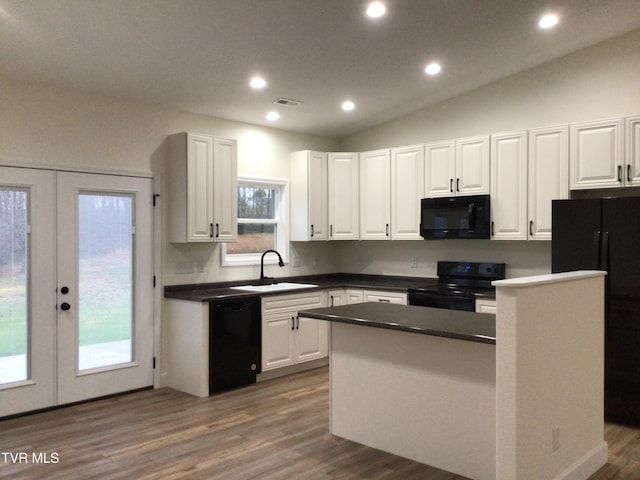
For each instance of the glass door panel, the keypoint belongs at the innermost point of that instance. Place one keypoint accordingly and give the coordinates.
(105, 285)
(27, 290)
(14, 311)
(105, 303)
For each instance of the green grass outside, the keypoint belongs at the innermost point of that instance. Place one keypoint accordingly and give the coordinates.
(105, 308)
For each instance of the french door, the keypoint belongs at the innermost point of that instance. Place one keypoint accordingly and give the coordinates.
(76, 298)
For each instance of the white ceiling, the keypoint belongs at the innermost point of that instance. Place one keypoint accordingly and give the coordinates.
(198, 55)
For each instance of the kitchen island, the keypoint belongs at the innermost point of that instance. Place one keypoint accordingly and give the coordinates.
(525, 402)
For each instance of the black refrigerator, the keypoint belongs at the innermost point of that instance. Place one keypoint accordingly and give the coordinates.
(604, 234)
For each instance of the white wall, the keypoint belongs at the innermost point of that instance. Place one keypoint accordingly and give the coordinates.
(49, 126)
(598, 82)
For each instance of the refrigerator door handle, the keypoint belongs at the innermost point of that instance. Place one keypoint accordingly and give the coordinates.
(597, 249)
(604, 252)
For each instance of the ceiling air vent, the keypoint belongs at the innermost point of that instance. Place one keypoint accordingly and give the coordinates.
(287, 102)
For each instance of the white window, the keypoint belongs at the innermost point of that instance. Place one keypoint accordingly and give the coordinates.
(263, 214)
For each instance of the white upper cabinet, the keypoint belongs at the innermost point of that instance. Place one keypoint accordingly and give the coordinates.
(472, 166)
(202, 189)
(596, 151)
(440, 169)
(407, 187)
(631, 172)
(375, 195)
(509, 186)
(548, 176)
(225, 190)
(344, 211)
(309, 196)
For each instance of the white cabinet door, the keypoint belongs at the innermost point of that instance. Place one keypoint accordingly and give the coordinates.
(407, 187)
(440, 169)
(337, 297)
(548, 176)
(472, 166)
(509, 186)
(309, 196)
(203, 192)
(225, 190)
(343, 196)
(632, 167)
(311, 340)
(354, 296)
(277, 340)
(375, 195)
(190, 187)
(596, 150)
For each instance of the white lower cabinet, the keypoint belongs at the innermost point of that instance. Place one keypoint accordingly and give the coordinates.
(385, 297)
(288, 339)
(484, 305)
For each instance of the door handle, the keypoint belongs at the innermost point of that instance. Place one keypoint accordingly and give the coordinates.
(451, 185)
(65, 306)
(629, 173)
(293, 323)
(312, 230)
(387, 229)
(620, 173)
(457, 184)
(531, 228)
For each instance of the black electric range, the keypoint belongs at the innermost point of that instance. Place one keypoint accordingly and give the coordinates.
(458, 285)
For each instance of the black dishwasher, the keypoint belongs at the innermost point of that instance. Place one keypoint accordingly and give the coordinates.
(235, 341)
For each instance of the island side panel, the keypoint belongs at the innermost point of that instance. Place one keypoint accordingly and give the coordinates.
(430, 399)
(550, 411)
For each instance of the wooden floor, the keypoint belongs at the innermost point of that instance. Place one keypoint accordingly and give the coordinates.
(275, 430)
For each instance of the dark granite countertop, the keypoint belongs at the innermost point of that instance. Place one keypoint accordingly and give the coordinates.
(206, 292)
(470, 326)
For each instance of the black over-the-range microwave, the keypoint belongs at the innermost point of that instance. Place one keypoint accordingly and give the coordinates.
(455, 217)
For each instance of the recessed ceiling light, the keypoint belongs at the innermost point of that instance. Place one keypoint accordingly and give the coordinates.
(273, 116)
(258, 82)
(376, 9)
(346, 106)
(548, 21)
(433, 69)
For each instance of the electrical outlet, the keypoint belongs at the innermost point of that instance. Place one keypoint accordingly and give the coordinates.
(414, 262)
(296, 261)
(555, 439)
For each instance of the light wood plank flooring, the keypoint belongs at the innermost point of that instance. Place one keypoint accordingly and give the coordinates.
(273, 430)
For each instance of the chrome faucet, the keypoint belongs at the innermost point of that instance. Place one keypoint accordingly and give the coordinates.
(268, 280)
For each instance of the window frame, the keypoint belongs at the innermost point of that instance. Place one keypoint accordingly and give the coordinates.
(281, 221)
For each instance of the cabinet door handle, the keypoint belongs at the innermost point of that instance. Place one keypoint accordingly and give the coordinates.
(387, 229)
(619, 173)
(217, 230)
(331, 297)
(297, 322)
(211, 230)
(531, 228)
(629, 173)
(457, 184)
(293, 323)
(312, 230)
(492, 230)
(384, 300)
(451, 185)
(331, 230)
